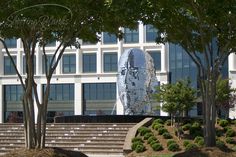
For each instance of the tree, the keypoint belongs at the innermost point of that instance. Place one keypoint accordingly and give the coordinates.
(206, 31)
(176, 98)
(41, 22)
(225, 95)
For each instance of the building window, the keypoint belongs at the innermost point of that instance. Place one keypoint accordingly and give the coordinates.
(110, 62)
(12, 103)
(61, 100)
(49, 58)
(131, 36)
(89, 62)
(69, 63)
(156, 56)
(24, 65)
(88, 43)
(11, 43)
(8, 66)
(109, 38)
(151, 33)
(99, 98)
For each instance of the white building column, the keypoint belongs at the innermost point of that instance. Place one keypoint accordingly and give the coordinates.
(141, 35)
(39, 60)
(1, 60)
(232, 77)
(99, 58)
(78, 104)
(119, 106)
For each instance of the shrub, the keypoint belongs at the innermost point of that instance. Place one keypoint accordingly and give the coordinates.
(151, 139)
(147, 135)
(135, 144)
(154, 142)
(169, 142)
(143, 130)
(220, 144)
(160, 121)
(230, 140)
(168, 122)
(186, 142)
(179, 131)
(230, 133)
(198, 138)
(167, 135)
(157, 147)
(137, 139)
(223, 123)
(191, 146)
(158, 126)
(173, 147)
(186, 127)
(219, 132)
(196, 129)
(140, 148)
(196, 125)
(201, 142)
(162, 131)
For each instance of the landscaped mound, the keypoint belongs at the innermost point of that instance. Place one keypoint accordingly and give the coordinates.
(47, 152)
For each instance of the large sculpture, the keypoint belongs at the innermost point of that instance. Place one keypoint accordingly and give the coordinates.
(136, 81)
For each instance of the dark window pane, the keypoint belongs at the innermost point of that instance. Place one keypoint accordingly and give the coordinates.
(109, 38)
(11, 43)
(8, 66)
(131, 36)
(156, 56)
(151, 33)
(89, 62)
(69, 63)
(49, 58)
(110, 62)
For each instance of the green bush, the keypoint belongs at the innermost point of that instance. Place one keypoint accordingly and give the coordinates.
(191, 146)
(230, 133)
(151, 139)
(157, 147)
(154, 142)
(147, 135)
(140, 148)
(186, 127)
(137, 139)
(143, 130)
(230, 140)
(196, 125)
(162, 131)
(201, 142)
(220, 144)
(167, 135)
(168, 122)
(219, 132)
(173, 147)
(135, 144)
(186, 142)
(169, 142)
(158, 126)
(160, 121)
(196, 130)
(223, 123)
(198, 138)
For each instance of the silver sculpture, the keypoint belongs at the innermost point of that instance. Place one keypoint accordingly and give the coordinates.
(136, 81)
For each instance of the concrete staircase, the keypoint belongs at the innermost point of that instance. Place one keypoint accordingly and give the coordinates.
(93, 139)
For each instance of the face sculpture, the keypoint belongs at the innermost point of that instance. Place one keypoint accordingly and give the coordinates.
(136, 75)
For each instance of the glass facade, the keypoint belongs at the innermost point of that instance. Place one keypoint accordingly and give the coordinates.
(69, 63)
(151, 33)
(156, 56)
(110, 62)
(61, 100)
(89, 63)
(99, 98)
(51, 44)
(8, 66)
(11, 43)
(109, 38)
(131, 36)
(12, 103)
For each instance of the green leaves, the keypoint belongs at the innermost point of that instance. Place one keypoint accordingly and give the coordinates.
(176, 98)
